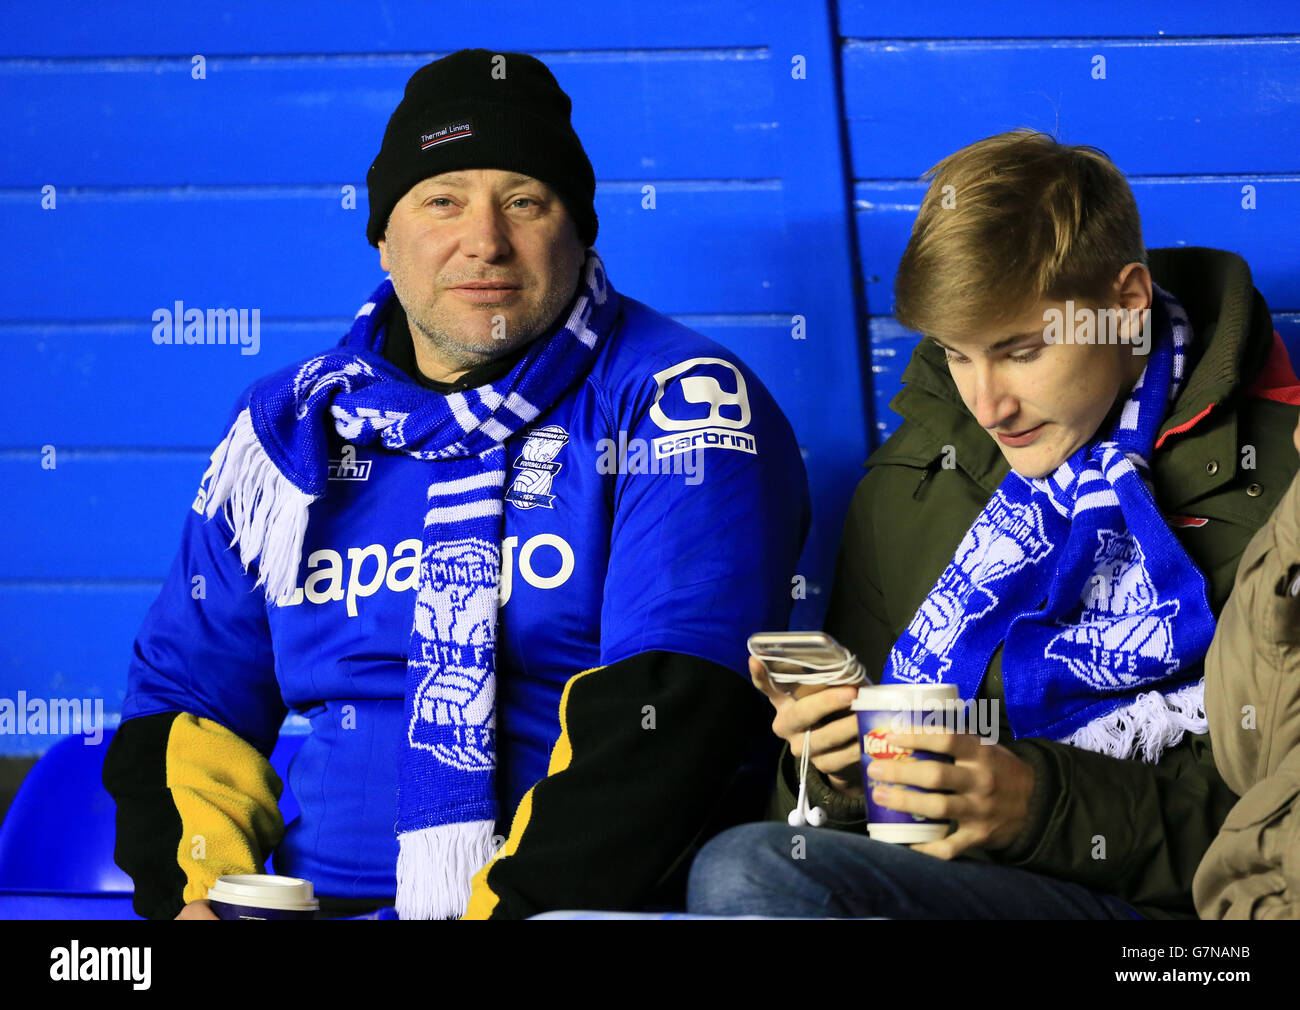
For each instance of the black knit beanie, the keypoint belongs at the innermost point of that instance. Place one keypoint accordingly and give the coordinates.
(479, 109)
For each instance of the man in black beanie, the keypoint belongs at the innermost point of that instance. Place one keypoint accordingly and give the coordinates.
(479, 130)
(588, 507)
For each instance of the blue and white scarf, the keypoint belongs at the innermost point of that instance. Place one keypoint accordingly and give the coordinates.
(1113, 662)
(273, 464)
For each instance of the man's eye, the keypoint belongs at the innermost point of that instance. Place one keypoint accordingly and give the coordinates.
(439, 201)
(523, 200)
(1027, 355)
(953, 358)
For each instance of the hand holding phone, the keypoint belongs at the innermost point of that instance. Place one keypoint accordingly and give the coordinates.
(802, 662)
(811, 680)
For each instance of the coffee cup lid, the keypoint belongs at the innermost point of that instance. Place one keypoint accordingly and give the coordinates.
(903, 696)
(264, 890)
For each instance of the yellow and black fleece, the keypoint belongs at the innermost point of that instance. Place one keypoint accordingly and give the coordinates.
(626, 801)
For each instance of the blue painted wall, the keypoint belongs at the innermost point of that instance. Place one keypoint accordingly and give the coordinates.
(1199, 100)
(778, 194)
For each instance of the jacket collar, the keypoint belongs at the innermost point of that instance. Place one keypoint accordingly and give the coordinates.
(1233, 334)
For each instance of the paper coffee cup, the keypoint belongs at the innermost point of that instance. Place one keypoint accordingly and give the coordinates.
(901, 708)
(262, 896)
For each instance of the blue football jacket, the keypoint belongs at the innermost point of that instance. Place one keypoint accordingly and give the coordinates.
(653, 520)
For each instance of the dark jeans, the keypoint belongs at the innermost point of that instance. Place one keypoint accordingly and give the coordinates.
(759, 869)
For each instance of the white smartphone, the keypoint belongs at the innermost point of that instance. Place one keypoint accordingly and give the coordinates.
(806, 658)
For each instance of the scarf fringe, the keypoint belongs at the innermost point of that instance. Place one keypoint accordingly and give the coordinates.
(435, 868)
(267, 512)
(1148, 725)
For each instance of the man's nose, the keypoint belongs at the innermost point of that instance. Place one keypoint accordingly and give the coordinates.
(993, 404)
(484, 236)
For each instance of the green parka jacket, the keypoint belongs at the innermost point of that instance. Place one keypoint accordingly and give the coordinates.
(1224, 458)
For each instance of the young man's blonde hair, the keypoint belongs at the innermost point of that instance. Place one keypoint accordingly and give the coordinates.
(1026, 219)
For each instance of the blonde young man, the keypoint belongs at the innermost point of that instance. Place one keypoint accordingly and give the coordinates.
(1087, 447)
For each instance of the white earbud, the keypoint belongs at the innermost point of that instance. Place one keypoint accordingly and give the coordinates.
(802, 813)
(844, 669)
(805, 815)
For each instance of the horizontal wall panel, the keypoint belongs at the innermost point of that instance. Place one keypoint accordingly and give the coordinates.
(39, 662)
(1175, 212)
(76, 638)
(683, 115)
(63, 28)
(118, 515)
(296, 253)
(110, 510)
(115, 527)
(191, 389)
(50, 663)
(960, 19)
(96, 515)
(82, 375)
(1165, 108)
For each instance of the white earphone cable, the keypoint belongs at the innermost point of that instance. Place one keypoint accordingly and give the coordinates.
(843, 670)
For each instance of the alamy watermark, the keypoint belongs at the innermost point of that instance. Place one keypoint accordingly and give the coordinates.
(676, 454)
(979, 716)
(1084, 325)
(57, 716)
(179, 325)
(75, 963)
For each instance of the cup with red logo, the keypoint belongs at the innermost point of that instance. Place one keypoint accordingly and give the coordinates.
(901, 708)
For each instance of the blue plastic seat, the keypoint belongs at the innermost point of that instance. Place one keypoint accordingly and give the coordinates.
(56, 840)
(57, 836)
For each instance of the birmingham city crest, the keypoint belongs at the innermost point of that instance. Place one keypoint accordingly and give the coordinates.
(454, 712)
(535, 469)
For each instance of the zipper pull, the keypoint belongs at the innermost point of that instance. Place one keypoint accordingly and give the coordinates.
(929, 472)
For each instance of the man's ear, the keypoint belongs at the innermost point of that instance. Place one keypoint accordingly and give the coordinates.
(383, 255)
(1133, 287)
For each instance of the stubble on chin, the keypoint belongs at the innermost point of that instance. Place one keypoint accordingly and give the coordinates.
(467, 344)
